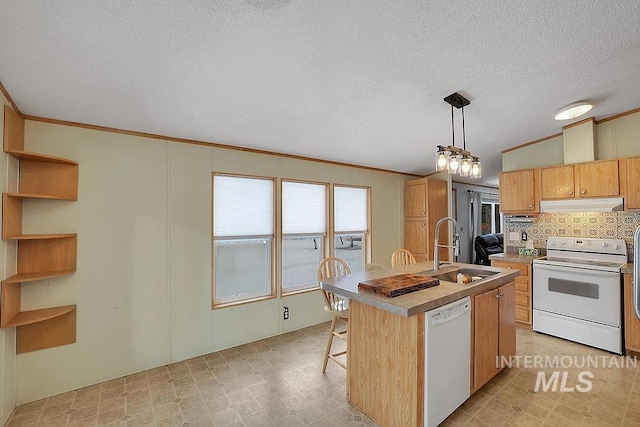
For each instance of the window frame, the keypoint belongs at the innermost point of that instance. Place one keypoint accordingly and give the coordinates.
(496, 221)
(274, 244)
(366, 244)
(282, 235)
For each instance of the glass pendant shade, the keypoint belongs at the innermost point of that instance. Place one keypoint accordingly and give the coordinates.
(465, 167)
(476, 169)
(442, 160)
(454, 164)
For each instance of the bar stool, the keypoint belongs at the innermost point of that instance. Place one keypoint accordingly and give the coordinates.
(334, 304)
(373, 266)
(402, 257)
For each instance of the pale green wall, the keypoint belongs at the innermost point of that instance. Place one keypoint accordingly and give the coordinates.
(615, 138)
(618, 138)
(143, 279)
(546, 153)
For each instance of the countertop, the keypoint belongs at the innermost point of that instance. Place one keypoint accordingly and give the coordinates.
(627, 268)
(418, 301)
(514, 257)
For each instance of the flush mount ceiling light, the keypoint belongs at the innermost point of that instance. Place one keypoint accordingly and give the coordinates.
(574, 110)
(451, 158)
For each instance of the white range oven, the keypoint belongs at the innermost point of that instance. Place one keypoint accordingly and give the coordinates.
(577, 291)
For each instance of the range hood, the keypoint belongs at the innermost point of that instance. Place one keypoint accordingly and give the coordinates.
(612, 204)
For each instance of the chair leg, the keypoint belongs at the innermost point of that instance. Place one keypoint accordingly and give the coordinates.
(329, 342)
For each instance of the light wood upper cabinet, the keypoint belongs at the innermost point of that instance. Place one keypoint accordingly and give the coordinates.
(584, 180)
(631, 322)
(415, 200)
(426, 201)
(558, 182)
(598, 179)
(632, 181)
(518, 192)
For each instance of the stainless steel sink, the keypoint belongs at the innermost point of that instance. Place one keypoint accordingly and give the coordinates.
(452, 276)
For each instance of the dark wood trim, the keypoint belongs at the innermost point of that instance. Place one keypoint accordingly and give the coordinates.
(581, 122)
(6, 95)
(208, 144)
(617, 116)
(517, 147)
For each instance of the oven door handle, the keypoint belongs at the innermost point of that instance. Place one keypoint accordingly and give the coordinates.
(578, 270)
(636, 272)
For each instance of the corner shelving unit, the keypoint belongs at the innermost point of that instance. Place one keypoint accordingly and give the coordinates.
(40, 256)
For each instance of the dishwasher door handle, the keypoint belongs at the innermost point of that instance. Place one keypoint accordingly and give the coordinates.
(636, 272)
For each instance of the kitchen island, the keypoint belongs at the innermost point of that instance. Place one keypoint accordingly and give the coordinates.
(386, 341)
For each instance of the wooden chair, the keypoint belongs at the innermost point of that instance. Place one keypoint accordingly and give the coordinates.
(402, 257)
(332, 267)
(373, 266)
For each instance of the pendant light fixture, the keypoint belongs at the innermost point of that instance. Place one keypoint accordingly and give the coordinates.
(453, 159)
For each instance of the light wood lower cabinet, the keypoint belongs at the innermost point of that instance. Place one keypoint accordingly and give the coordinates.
(385, 365)
(494, 333)
(631, 322)
(386, 355)
(523, 283)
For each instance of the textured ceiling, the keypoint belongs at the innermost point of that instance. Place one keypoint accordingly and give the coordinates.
(358, 81)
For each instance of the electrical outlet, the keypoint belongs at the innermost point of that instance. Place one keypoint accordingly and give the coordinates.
(524, 236)
(286, 313)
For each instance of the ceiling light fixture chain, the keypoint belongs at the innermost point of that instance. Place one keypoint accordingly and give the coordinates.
(451, 158)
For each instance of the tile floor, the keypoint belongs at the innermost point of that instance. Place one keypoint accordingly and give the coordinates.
(277, 382)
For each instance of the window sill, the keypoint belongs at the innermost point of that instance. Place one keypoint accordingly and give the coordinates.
(300, 291)
(215, 306)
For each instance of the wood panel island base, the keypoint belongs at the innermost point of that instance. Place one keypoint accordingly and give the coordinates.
(386, 354)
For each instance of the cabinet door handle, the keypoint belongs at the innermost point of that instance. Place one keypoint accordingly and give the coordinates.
(531, 205)
(422, 213)
(423, 224)
(583, 192)
(571, 193)
(499, 295)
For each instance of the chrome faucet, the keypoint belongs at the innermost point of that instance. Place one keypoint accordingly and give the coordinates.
(456, 241)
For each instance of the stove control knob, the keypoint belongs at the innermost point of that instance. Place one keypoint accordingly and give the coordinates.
(617, 247)
(605, 244)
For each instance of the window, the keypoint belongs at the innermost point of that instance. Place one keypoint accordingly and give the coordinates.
(351, 225)
(491, 220)
(243, 229)
(304, 228)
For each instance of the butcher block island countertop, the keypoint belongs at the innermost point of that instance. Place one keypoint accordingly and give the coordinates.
(386, 340)
(418, 301)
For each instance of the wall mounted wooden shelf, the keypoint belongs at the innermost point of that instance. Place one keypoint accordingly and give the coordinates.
(40, 315)
(25, 155)
(41, 275)
(40, 256)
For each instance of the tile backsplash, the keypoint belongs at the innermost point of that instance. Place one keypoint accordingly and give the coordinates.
(616, 225)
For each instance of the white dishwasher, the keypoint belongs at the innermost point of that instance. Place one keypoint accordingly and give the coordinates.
(447, 360)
